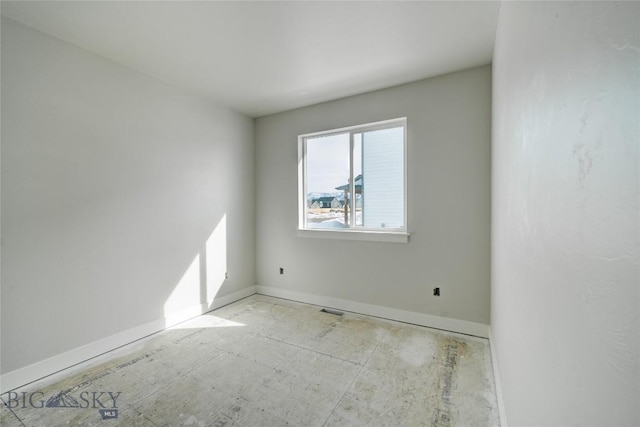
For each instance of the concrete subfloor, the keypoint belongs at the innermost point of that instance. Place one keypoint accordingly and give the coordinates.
(265, 361)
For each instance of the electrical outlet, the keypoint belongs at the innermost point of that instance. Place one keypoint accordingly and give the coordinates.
(436, 292)
(281, 270)
(226, 275)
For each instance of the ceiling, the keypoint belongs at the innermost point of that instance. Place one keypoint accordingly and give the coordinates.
(263, 57)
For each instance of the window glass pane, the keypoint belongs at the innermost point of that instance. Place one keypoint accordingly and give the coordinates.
(383, 178)
(327, 170)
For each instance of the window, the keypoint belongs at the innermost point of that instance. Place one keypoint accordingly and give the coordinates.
(352, 182)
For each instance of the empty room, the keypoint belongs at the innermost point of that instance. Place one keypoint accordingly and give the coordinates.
(320, 213)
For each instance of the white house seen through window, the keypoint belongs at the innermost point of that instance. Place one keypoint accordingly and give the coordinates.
(353, 179)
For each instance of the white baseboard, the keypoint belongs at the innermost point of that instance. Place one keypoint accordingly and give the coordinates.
(498, 384)
(19, 377)
(41, 369)
(454, 325)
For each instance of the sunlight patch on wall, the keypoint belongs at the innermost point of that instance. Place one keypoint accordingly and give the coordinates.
(202, 280)
(187, 291)
(216, 260)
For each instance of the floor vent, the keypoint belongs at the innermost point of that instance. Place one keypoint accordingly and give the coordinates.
(334, 312)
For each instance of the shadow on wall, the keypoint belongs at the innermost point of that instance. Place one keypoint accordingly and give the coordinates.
(196, 290)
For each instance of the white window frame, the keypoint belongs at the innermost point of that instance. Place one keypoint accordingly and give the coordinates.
(396, 235)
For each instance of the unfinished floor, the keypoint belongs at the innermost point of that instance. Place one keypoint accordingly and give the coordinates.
(269, 362)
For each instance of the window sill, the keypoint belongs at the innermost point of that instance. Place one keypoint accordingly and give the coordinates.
(370, 236)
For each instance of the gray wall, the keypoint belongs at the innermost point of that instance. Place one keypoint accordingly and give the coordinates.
(112, 184)
(448, 125)
(565, 302)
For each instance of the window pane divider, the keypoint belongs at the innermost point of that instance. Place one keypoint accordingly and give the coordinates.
(352, 185)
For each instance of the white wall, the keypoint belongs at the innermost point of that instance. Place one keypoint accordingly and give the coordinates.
(448, 129)
(115, 189)
(565, 282)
